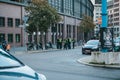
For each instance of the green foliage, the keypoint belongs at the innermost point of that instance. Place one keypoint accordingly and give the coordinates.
(87, 24)
(41, 16)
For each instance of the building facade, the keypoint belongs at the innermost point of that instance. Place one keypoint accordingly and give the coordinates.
(97, 16)
(114, 16)
(12, 14)
(72, 12)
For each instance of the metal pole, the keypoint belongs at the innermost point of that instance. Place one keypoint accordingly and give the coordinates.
(112, 39)
(25, 19)
(104, 23)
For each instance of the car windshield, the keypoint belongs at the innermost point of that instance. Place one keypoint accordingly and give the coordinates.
(92, 42)
(7, 60)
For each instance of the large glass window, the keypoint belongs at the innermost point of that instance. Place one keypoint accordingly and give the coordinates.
(10, 22)
(83, 10)
(17, 36)
(2, 21)
(77, 9)
(57, 4)
(10, 38)
(68, 7)
(73, 7)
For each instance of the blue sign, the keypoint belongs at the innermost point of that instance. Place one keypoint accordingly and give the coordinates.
(104, 14)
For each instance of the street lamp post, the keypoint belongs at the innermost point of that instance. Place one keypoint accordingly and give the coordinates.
(39, 33)
(25, 19)
(54, 38)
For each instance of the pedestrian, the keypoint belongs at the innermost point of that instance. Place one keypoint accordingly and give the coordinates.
(57, 43)
(60, 43)
(41, 46)
(69, 43)
(4, 44)
(8, 47)
(65, 43)
(73, 43)
(50, 44)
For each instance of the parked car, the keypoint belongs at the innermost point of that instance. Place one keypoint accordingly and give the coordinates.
(117, 41)
(89, 46)
(13, 69)
(116, 44)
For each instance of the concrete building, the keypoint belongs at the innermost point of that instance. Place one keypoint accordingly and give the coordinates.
(71, 12)
(97, 16)
(114, 16)
(12, 13)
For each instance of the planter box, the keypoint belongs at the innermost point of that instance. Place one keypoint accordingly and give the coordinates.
(105, 58)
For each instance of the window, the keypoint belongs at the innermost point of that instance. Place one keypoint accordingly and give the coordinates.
(2, 37)
(68, 7)
(2, 21)
(17, 22)
(10, 38)
(116, 14)
(97, 9)
(116, 19)
(116, 5)
(116, 23)
(116, 10)
(17, 36)
(117, 29)
(98, 2)
(97, 16)
(10, 22)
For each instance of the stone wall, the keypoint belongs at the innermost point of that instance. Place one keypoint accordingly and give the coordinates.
(105, 58)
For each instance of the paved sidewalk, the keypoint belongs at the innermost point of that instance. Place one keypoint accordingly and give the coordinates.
(22, 50)
(87, 61)
(18, 50)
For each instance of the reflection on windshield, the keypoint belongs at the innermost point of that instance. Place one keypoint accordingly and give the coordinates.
(92, 43)
(8, 61)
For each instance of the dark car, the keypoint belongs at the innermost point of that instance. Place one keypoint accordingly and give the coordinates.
(117, 44)
(89, 46)
(13, 69)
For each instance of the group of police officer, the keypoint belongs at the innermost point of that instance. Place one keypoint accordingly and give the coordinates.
(67, 43)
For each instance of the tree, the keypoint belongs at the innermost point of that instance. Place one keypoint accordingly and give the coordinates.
(86, 26)
(41, 16)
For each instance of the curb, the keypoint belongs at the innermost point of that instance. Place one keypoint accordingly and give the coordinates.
(39, 51)
(33, 51)
(86, 61)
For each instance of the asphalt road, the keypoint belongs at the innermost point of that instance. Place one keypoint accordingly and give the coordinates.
(62, 65)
